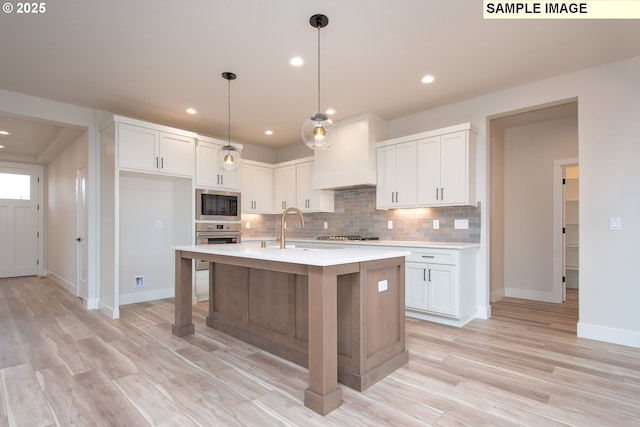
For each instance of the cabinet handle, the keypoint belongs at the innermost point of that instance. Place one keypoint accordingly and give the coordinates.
(397, 197)
(161, 162)
(442, 193)
(424, 274)
(428, 256)
(429, 274)
(221, 179)
(157, 164)
(392, 201)
(437, 198)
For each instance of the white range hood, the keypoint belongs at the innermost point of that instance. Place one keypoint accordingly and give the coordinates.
(351, 160)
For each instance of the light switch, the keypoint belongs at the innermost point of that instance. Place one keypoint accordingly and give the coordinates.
(383, 285)
(615, 224)
(247, 225)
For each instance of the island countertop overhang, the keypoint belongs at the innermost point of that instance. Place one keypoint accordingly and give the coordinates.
(303, 256)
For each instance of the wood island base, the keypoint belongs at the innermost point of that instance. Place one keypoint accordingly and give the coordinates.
(341, 321)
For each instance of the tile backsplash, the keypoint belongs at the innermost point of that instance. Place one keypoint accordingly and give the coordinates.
(355, 213)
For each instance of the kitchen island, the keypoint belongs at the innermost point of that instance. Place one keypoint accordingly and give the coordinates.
(338, 312)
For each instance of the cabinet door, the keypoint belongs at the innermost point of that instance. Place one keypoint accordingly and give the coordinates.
(416, 286)
(428, 173)
(176, 154)
(262, 190)
(405, 174)
(138, 148)
(304, 197)
(207, 174)
(246, 188)
(443, 294)
(285, 188)
(454, 168)
(386, 187)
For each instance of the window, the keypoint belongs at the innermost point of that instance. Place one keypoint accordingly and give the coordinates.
(15, 186)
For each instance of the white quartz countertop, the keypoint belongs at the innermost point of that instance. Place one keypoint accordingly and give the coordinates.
(316, 257)
(373, 243)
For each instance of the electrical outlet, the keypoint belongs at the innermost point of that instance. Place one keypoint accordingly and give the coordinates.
(615, 223)
(436, 224)
(383, 285)
(326, 225)
(461, 224)
(138, 282)
(158, 224)
(389, 225)
(247, 225)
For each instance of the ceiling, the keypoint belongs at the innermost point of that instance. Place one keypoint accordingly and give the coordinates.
(152, 60)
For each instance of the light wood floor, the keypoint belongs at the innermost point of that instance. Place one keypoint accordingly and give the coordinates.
(62, 365)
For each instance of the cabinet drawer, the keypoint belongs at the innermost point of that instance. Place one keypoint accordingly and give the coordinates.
(432, 257)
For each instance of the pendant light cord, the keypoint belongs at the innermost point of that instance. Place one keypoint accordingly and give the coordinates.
(229, 110)
(319, 68)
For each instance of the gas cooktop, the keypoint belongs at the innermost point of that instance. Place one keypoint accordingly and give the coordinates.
(346, 237)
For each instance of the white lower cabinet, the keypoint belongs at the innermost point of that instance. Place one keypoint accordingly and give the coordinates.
(430, 287)
(440, 285)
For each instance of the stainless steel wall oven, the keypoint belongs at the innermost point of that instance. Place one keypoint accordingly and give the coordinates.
(214, 233)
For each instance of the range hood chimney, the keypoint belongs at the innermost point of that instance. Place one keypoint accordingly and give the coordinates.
(351, 161)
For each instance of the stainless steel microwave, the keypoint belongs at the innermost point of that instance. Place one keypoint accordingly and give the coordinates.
(217, 205)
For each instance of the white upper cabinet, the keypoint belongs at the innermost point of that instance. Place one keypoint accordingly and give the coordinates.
(208, 174)
(145, 149)
(285, 188)
(396, 176)
(256, 186)
(435, 168)
(443, 172)
(308, 199)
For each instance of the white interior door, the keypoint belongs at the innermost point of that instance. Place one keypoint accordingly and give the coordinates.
(81, 224)
(19, 221)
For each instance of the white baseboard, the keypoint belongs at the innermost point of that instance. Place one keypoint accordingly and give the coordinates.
(91, 304)
(607, 334)
(135, 297)
(68, 286)
(529, 294)
(483, 312)
(110, 311)
(497, 295)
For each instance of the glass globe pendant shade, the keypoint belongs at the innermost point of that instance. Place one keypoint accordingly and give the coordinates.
(318, 132)
(229, 158)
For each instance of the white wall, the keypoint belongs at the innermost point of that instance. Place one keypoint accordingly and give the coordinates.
(529, 154)
(60, 214)
(608, 110)
(145, 249)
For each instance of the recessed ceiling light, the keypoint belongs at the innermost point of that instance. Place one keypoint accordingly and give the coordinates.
(191, 110)
(296, 61)
(4, 132)
(330, 111)
(428, 79)
(268, 132)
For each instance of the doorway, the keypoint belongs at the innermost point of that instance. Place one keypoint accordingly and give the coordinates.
(524, 148)
(20, 220)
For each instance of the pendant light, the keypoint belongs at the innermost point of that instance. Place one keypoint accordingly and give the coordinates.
(229, 156)
(318, 131)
